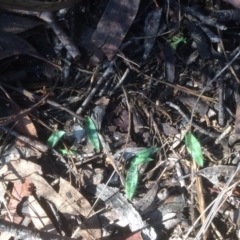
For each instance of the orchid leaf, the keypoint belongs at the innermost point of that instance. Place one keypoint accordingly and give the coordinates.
(54, 138)
(131, 181)
(67, 152)
(132, 174)
(146, 153)
(194, 148)
(91, 132)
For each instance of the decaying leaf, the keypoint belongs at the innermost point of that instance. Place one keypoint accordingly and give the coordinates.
(15, 24)
(90, 175)
(113, 26)
(25, 124)
(166, 214)
(74, 198)
(24, 169)
(169, 59)
(113, 198)
(151, 26)
(138, 123)
(122, 121)
(145, 202)
(33, 209)
(15, 152)
(11, 45)
(34, 5)
(235, 3)
(19, 191)
(98, 112)
(200, 39)
(201, 108)
(16, 171)
(218, 175)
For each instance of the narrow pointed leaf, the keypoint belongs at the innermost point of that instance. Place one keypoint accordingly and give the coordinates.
(67, 152)
(54, 138)
(175, 43)
(132, 174)
(147, 152)
(91, 132)
(131, 181)
(194, 148)
(138, 160)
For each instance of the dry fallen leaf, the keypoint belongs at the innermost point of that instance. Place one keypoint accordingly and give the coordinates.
(16, 24)
(34, 5)
(11, 45)
(74, 198)
(113, 26)
(16, 171)
(235, 3)
(19, 191)
(39, 217)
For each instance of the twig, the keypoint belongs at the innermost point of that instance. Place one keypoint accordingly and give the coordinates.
(14, 118)
(225, 54)
(220, 99)
(108, 71)
(224, 134)
(120, 82)
(214, 79)
(200, 129)
(110, 158)
(216, 205)
(31, 96)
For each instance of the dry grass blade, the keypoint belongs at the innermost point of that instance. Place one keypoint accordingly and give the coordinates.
(216, 206)
(200, 196)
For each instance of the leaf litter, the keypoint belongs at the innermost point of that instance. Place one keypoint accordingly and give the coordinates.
(96, 100)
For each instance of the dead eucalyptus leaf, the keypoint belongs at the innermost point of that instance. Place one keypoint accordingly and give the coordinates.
(11, 45)
(114, 24)
(40, 6)
(16, 24)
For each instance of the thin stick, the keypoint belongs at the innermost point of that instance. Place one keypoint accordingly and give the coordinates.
(200, 129)
(216, 206)
(214, 79)
(31, 96)
(96, 87)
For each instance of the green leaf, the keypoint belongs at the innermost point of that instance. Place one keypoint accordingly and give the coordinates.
(146, 153)
(67, 152)
(54, 138)
(194, 148)
(139, 160)
(177, 39)
(132, 174)
(91, 132)
(131, 181)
